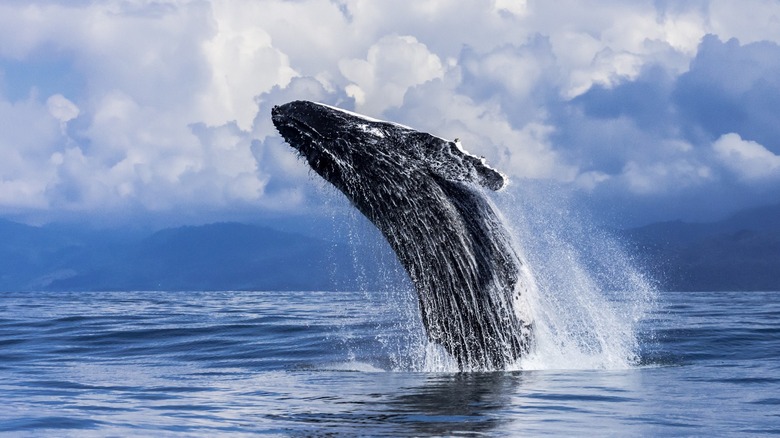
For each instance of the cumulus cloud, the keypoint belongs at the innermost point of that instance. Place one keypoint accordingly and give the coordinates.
(28, 136)
(243, 64)
(61, 108)
(392, 66)
(680, 136)
(749, 22)
(664, 177)
(623, 100)
(731, 87)
(748, 159)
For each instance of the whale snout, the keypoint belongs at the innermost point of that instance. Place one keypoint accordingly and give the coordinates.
(281, 113)
(300, 115)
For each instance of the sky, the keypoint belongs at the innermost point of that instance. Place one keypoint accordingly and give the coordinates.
(134, 110)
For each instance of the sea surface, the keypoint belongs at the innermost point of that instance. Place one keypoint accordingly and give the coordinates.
(353, 364)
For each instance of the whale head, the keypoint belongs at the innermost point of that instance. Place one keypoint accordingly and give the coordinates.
(326, 137)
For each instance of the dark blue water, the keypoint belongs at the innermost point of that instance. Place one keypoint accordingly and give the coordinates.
(346, 363)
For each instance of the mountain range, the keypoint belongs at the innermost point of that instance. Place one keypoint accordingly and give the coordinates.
(741, 252)
(220, 256)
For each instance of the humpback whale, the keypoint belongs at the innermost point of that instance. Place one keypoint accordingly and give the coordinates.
(423, 193)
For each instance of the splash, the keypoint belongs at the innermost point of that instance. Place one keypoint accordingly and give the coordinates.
(589, 297)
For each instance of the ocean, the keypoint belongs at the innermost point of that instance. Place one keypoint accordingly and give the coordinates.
(357, 364)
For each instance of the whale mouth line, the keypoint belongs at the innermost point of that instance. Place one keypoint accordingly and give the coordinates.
(306, 140)
(293, 121)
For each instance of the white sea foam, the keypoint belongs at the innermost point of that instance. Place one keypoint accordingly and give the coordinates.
(588, 296)
(355, 366)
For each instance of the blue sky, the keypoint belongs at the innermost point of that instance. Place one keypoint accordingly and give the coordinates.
(120, 111)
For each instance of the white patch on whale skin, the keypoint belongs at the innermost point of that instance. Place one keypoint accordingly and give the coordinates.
(371, 130)
(361, 116)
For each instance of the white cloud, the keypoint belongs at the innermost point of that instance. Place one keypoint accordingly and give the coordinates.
(609, 42)
(684, 31)
(516, 70)
(655, 178)
(61, 108)
(590, 180)
(243, 64)
(392, 66)
(748, 20)
(516, 7)
(28, 135)
(172, 104)
(747, 159)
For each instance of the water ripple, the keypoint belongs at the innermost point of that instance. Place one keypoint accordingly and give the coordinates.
(232, 363)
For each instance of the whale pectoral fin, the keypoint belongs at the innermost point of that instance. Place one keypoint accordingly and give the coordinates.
(486, 175)
(448, 160)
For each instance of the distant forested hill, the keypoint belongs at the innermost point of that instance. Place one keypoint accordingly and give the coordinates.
(739, 253)
(222, 256)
